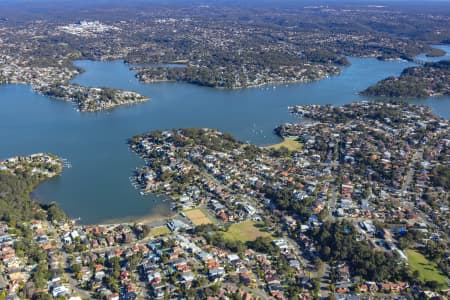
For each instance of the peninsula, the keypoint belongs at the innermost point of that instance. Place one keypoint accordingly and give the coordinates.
(353, 204)
(224, 47)
(91, 99)
(359, 206)
(431, 79)
(246, 77)
(19, 176)
(52, 79)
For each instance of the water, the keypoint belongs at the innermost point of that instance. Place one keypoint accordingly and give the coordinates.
(446, 48)
(440, 105)
(97, 188)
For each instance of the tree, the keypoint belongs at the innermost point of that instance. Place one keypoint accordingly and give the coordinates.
(319, 265)
(40, 275)
(112, 284)
(332, 297)
(432, 284)
(42, 296)
(363, 261)
(316, 285)
(415, 276)
(55, 213)
(75, 268)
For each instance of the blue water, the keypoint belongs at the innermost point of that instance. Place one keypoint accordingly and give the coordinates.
(446, 48)
(97, 188)
(440, 105)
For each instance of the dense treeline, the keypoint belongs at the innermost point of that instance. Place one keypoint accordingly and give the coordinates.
(285, 200)
(435, 52)
(324, 56)
(79, 94)
(198, 136)
(415, 82)
(441, 176)
(337, 242)
(393, 88)
(15, 202)
(224, 46)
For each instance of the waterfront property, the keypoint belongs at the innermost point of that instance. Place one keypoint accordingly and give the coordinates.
(83, 138)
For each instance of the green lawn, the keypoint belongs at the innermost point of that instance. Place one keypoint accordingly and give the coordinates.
(427, 269)
(244, 232)
(198, 216)
(159, 231)
(292, 144)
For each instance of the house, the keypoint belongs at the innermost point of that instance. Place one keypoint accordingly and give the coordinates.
(245, 278)
(282, 244)
(158, 290)
(342, 290)
(35, 225)
(153, 277)
(99, 275)
(290, 221)
(74, 234)
(112, 296)
(177, 225)
(294, 264)
(216, 274)
(368, 226)
(233, 258)
(60, 291)
(223, 216)
(250, 209)
(204, 256)
(373, 288)
(187, 277)
(110, 255)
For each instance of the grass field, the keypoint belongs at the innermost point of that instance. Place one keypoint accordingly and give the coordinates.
(197, 216)
(427, 269)
(244, 232)
(159, 231)
(290, 143)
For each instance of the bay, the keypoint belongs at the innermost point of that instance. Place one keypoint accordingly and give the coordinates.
(97, 188)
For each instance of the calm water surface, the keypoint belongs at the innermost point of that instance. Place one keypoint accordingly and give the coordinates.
(97, 188)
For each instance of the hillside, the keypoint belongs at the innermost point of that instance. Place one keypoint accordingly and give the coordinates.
(432, 79)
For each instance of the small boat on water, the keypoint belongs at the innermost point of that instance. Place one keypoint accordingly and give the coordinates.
(66, 163)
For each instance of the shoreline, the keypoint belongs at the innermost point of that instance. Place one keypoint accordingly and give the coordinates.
(148, 220)
(251, 86)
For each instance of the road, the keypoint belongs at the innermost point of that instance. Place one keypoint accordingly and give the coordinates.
(257, 292)
(65, 265)
(410, 173)
(332, 202)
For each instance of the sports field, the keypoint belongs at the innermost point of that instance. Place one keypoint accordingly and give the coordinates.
(159, 231)
(427, 269)
(197, 216)
(292, 144)
(244, 232)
